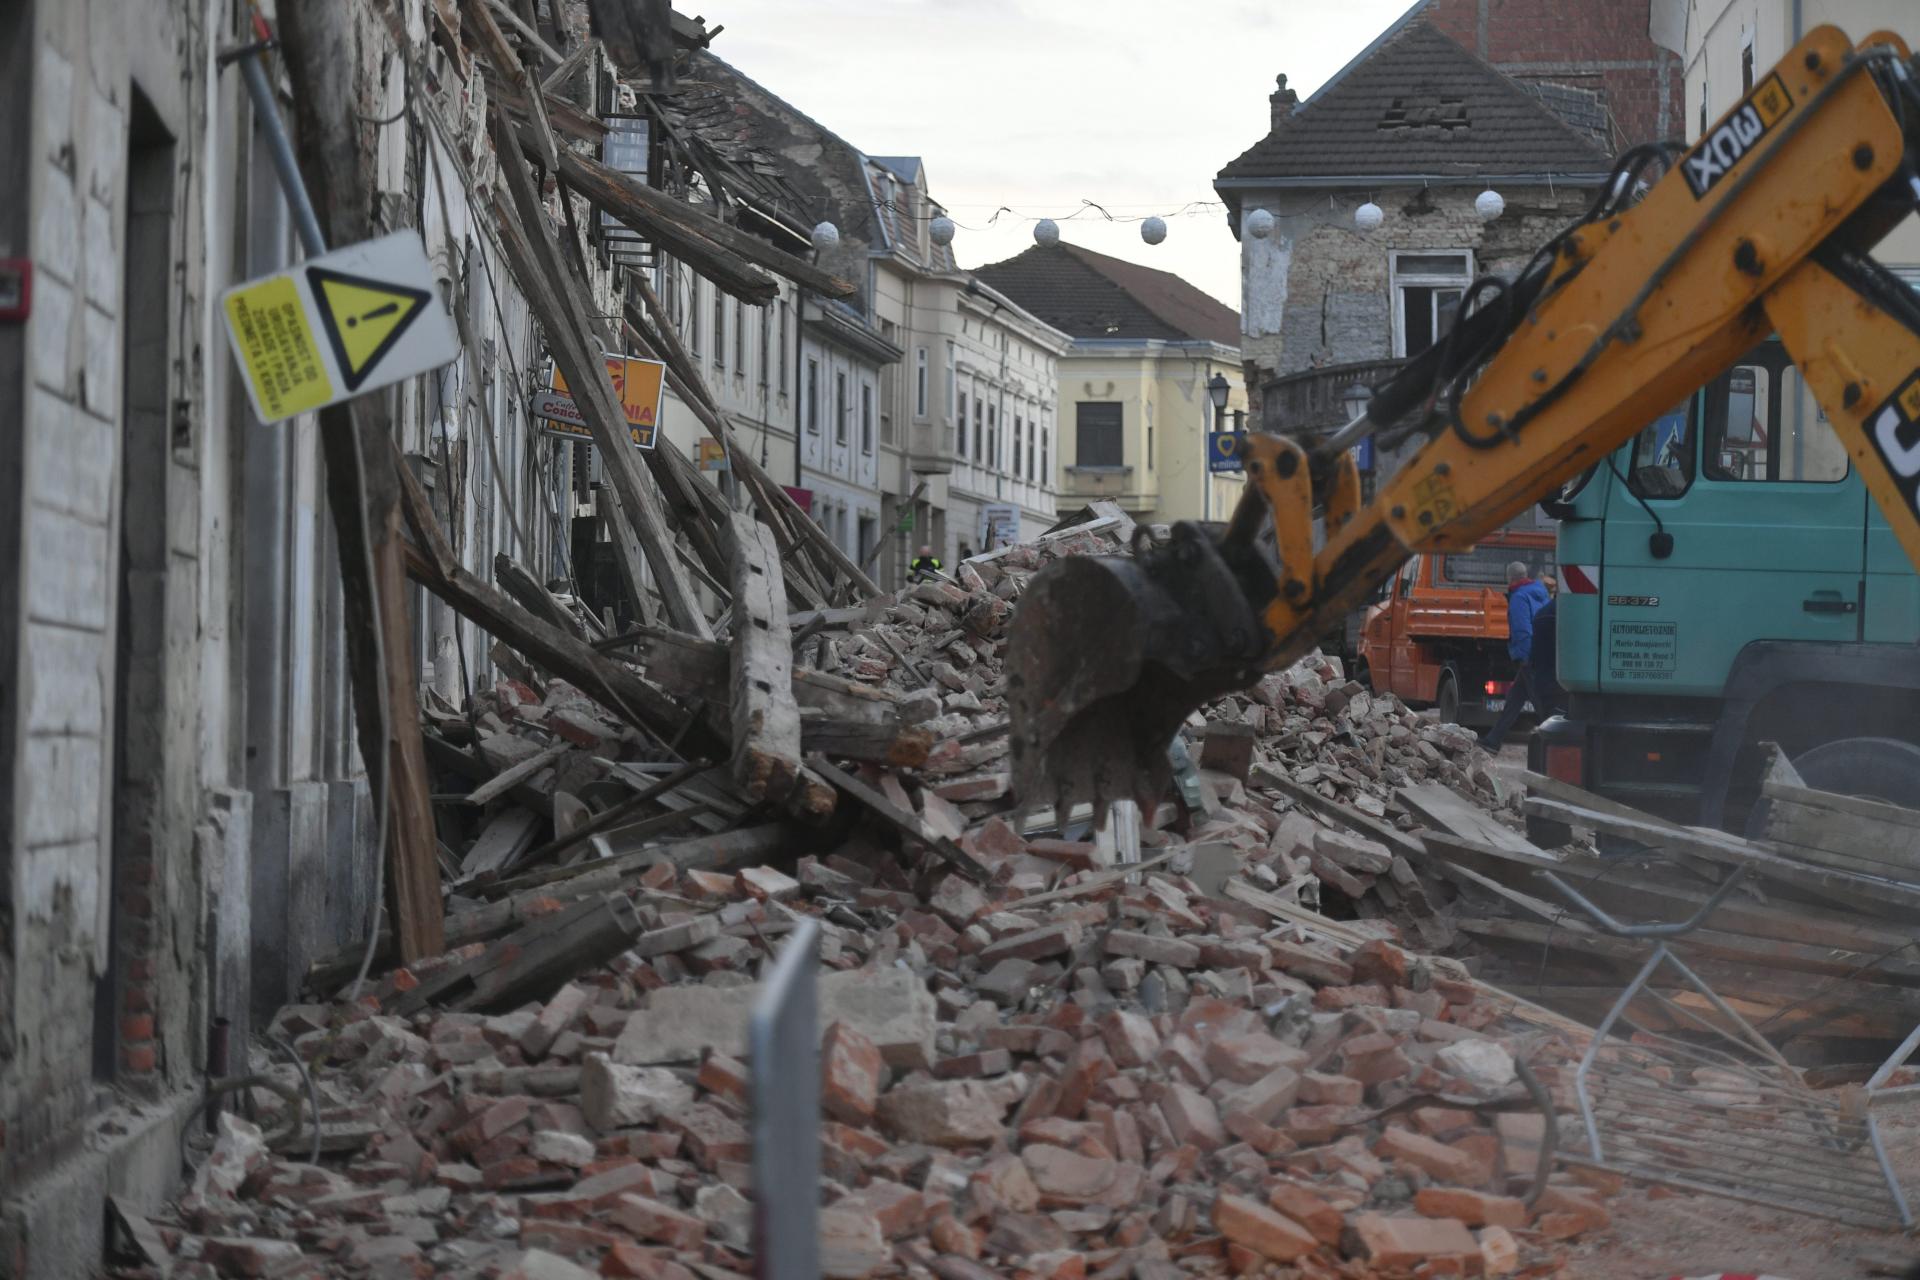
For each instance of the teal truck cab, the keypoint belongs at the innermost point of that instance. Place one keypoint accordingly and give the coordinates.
(1725, 581)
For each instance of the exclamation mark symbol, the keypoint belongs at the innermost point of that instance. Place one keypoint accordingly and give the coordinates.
(387, 310)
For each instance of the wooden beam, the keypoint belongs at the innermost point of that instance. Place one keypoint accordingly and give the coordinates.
(905, 821)
(612, 684)
(652, 212)
(1880, 896)
(537, 268)
(766, 720)
(493, 44)
(627, 556)
(363, 493)
(532, 595)
(774, 501)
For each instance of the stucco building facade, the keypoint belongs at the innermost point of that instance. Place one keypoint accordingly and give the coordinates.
(1134, 398)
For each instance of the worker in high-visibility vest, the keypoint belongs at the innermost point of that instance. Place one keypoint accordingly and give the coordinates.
(925, 566)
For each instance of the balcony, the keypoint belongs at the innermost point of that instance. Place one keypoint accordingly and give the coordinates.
(930, 449)
(1084, 484)
(1311, 402)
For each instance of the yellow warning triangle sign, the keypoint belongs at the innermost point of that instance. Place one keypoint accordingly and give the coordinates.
(363, 318)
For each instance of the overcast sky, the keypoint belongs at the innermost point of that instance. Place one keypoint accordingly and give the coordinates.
(1041, 104)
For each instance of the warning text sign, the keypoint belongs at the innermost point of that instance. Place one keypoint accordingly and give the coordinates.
(338, 325)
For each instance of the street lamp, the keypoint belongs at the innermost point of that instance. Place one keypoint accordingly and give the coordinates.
(1354, 400)
(1217, 392)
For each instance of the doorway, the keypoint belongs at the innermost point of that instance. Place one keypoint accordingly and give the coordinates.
(123, 1016)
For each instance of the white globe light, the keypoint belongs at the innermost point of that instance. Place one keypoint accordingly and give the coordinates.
(941, 229)
(1368, 216)
(826, 236)
(1153, 230)
(1046, 233)
(1489, 204)
(1259, 224)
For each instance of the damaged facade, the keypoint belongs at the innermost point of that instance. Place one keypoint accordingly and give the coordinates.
(187, 819)
(1448, 102)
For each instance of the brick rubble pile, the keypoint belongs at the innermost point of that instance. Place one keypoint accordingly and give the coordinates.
(1064, 1068)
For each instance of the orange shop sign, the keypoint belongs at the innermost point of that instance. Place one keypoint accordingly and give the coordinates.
(636, 382)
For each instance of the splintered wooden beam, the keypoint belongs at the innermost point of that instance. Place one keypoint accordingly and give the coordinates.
(654, 214)
(907, 822)
(363, 496)
(773, 500)
(538, 269)
(766, 720)
(627, 556)
(431, 562)
(524, 587)
(493, 43)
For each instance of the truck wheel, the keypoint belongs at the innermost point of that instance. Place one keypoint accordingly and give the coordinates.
(1448, 698)
(1884, 769)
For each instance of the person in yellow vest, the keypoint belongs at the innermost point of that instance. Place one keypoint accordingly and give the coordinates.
(925, 566)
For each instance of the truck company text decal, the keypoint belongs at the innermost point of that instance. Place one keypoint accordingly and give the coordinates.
(1643, 650)
(1894, 429)
(1720, 150)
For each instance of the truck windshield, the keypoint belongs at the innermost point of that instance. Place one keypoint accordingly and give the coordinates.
(1487, 566)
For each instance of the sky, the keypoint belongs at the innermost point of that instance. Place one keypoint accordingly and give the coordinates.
(1041, 105)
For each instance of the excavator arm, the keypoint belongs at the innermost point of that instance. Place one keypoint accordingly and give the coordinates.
(1764, 225)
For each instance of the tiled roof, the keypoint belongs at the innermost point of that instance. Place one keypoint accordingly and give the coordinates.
(1419, 104)
(1090, 295)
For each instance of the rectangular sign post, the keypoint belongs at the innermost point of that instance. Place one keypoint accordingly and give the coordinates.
(999, 523)
(784, 1038)
(338, 325)
(636, 381)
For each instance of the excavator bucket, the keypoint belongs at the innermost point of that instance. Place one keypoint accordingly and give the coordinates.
(1107, 655)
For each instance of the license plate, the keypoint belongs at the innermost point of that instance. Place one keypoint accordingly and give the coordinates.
(1496, 704)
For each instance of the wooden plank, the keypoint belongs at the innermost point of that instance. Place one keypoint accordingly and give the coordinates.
(1352, 819)
(533, 596)
(905, 821)
(775, 503)
(628, 559)
(493, 45)
(1866, 892)
(432, 563)
(363, 492)
(1856, 806)
(1440, 805)
(534, 258)
(509, 835)
(1842, 841)
(646, 210)
(741, 847)
(889, 742)
(508, 778)
(1093, 883)
(766, 720)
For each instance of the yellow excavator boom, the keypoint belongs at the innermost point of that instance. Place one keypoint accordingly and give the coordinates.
(1763, 225)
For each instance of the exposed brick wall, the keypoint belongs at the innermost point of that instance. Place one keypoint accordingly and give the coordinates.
(1583, 43)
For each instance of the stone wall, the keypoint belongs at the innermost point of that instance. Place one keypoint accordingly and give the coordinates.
(1317, 290)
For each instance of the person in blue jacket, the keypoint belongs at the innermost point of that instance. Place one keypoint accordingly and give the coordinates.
(1525, 599)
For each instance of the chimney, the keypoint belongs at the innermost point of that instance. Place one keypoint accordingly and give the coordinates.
(1282, 100)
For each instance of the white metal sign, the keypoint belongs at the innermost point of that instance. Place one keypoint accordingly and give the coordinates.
(332, 327)
(999, 524)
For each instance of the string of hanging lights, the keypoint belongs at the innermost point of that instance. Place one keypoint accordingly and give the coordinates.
(942, 227)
